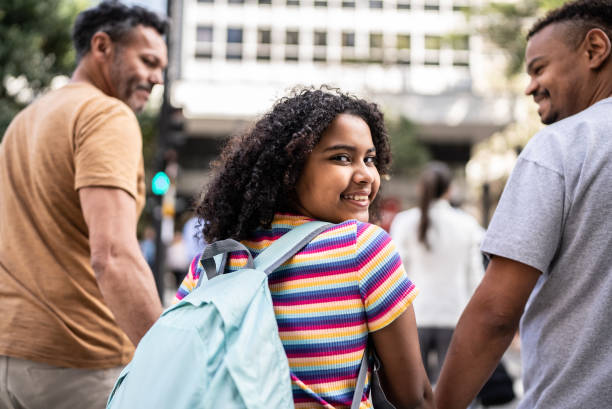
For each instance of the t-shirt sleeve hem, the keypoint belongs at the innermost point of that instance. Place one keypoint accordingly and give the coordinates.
(492, 249)
(117, 183)
(392, 315)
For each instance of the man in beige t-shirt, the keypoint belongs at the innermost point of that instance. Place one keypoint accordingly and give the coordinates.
(76, 294)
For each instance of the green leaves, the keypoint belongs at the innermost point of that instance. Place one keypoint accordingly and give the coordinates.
(36, 47)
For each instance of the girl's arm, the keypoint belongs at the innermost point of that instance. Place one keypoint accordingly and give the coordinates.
(403, 376)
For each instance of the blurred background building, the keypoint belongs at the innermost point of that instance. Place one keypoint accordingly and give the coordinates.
(422, 60)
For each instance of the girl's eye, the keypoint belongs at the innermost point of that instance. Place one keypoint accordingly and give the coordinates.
(341, 158)
(370, 160)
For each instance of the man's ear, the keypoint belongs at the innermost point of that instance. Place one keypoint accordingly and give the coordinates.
(101, 46)
(598, 47)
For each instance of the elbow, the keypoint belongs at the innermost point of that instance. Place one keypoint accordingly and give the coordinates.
(100, 263)
(417, 401)
(420, 396)
(103, 258)
(499, 321)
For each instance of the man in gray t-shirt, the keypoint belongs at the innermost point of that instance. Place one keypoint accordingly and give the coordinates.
(551, 236)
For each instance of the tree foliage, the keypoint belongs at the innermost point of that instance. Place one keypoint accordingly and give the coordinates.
(507, 24)
(35, 48)
(409, 154)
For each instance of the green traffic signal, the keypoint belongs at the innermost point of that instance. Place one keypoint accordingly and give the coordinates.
(160, 183)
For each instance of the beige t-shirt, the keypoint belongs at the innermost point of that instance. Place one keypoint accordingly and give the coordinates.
(51, 309)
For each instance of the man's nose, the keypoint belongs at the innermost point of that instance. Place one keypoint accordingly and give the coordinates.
(531, 87)
(157, 76)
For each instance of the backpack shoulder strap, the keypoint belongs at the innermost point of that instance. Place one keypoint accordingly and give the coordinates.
(286, 246)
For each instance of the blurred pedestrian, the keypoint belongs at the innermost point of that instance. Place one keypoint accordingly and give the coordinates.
(176, 258)
(550, 238)
(439, 246)
(192, 237)
(318, 155)
(75, 290)
(148, 245)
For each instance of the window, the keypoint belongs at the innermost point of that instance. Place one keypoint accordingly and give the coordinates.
(461, 50)
(348, 47)
(461, 7)
(432, 5)
(292, 41)
(348, 4)
(293, 2)
(204, 39)
(320, 46)
(320, 38)
(264, 39)
(348, 39)
(432, 49)
(292, 37)
(204, 34)
(376, 40)
(376, 4)
(402, 46)
(460, 42)
(320, 3)
(376, 48)
(403, 4)
(234, 44)
(235, 1)
(433, 42)
(205, 1)
(261, 2)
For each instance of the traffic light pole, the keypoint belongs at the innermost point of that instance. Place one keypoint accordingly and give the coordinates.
(160, 166)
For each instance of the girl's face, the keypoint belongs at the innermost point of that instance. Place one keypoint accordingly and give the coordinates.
(340, 180)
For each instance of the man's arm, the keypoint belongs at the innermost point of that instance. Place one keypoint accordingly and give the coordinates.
(124, 278)
(484, 331)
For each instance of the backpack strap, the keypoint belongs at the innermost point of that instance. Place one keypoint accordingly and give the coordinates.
(361, 378)
(287, 245)
(221, 247)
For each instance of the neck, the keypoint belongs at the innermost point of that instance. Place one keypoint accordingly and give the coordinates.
(602, 83)
(90, 73)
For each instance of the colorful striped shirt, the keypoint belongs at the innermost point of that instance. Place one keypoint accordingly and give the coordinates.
(348, 281)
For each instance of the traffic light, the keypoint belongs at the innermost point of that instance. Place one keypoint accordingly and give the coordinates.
(160, 183)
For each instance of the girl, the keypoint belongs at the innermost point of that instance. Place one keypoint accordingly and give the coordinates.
(440, 246)
(318, 155)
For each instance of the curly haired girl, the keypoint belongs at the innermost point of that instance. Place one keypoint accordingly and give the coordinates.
(318, 155)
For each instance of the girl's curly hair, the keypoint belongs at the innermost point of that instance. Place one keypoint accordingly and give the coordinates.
(257, 172)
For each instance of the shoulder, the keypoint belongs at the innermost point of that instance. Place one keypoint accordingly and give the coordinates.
(569, 141)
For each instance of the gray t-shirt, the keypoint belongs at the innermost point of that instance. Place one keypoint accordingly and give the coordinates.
(556, 215)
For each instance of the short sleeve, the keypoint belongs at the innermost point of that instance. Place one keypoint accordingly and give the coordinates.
(385, 289)
(528, 222)
(107, 146)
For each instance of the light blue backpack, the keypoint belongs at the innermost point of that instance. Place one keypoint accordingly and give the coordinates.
(218, 348)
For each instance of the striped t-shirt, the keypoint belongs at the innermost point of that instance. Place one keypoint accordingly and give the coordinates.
(346, 282)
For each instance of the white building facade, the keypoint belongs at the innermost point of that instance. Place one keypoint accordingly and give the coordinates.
(231, 59)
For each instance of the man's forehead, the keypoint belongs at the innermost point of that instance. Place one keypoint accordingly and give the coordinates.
(147, 38)
(545, 42)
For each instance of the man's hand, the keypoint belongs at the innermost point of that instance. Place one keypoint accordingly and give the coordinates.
(124, 278)
(484, 331)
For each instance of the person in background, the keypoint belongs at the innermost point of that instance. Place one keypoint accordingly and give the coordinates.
(439, 246)
(318, 155)
(550, 238)
(192, 237)
(76, 293)
(148, 245)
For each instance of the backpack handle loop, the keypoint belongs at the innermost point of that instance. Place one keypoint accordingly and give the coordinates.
(222, 247)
